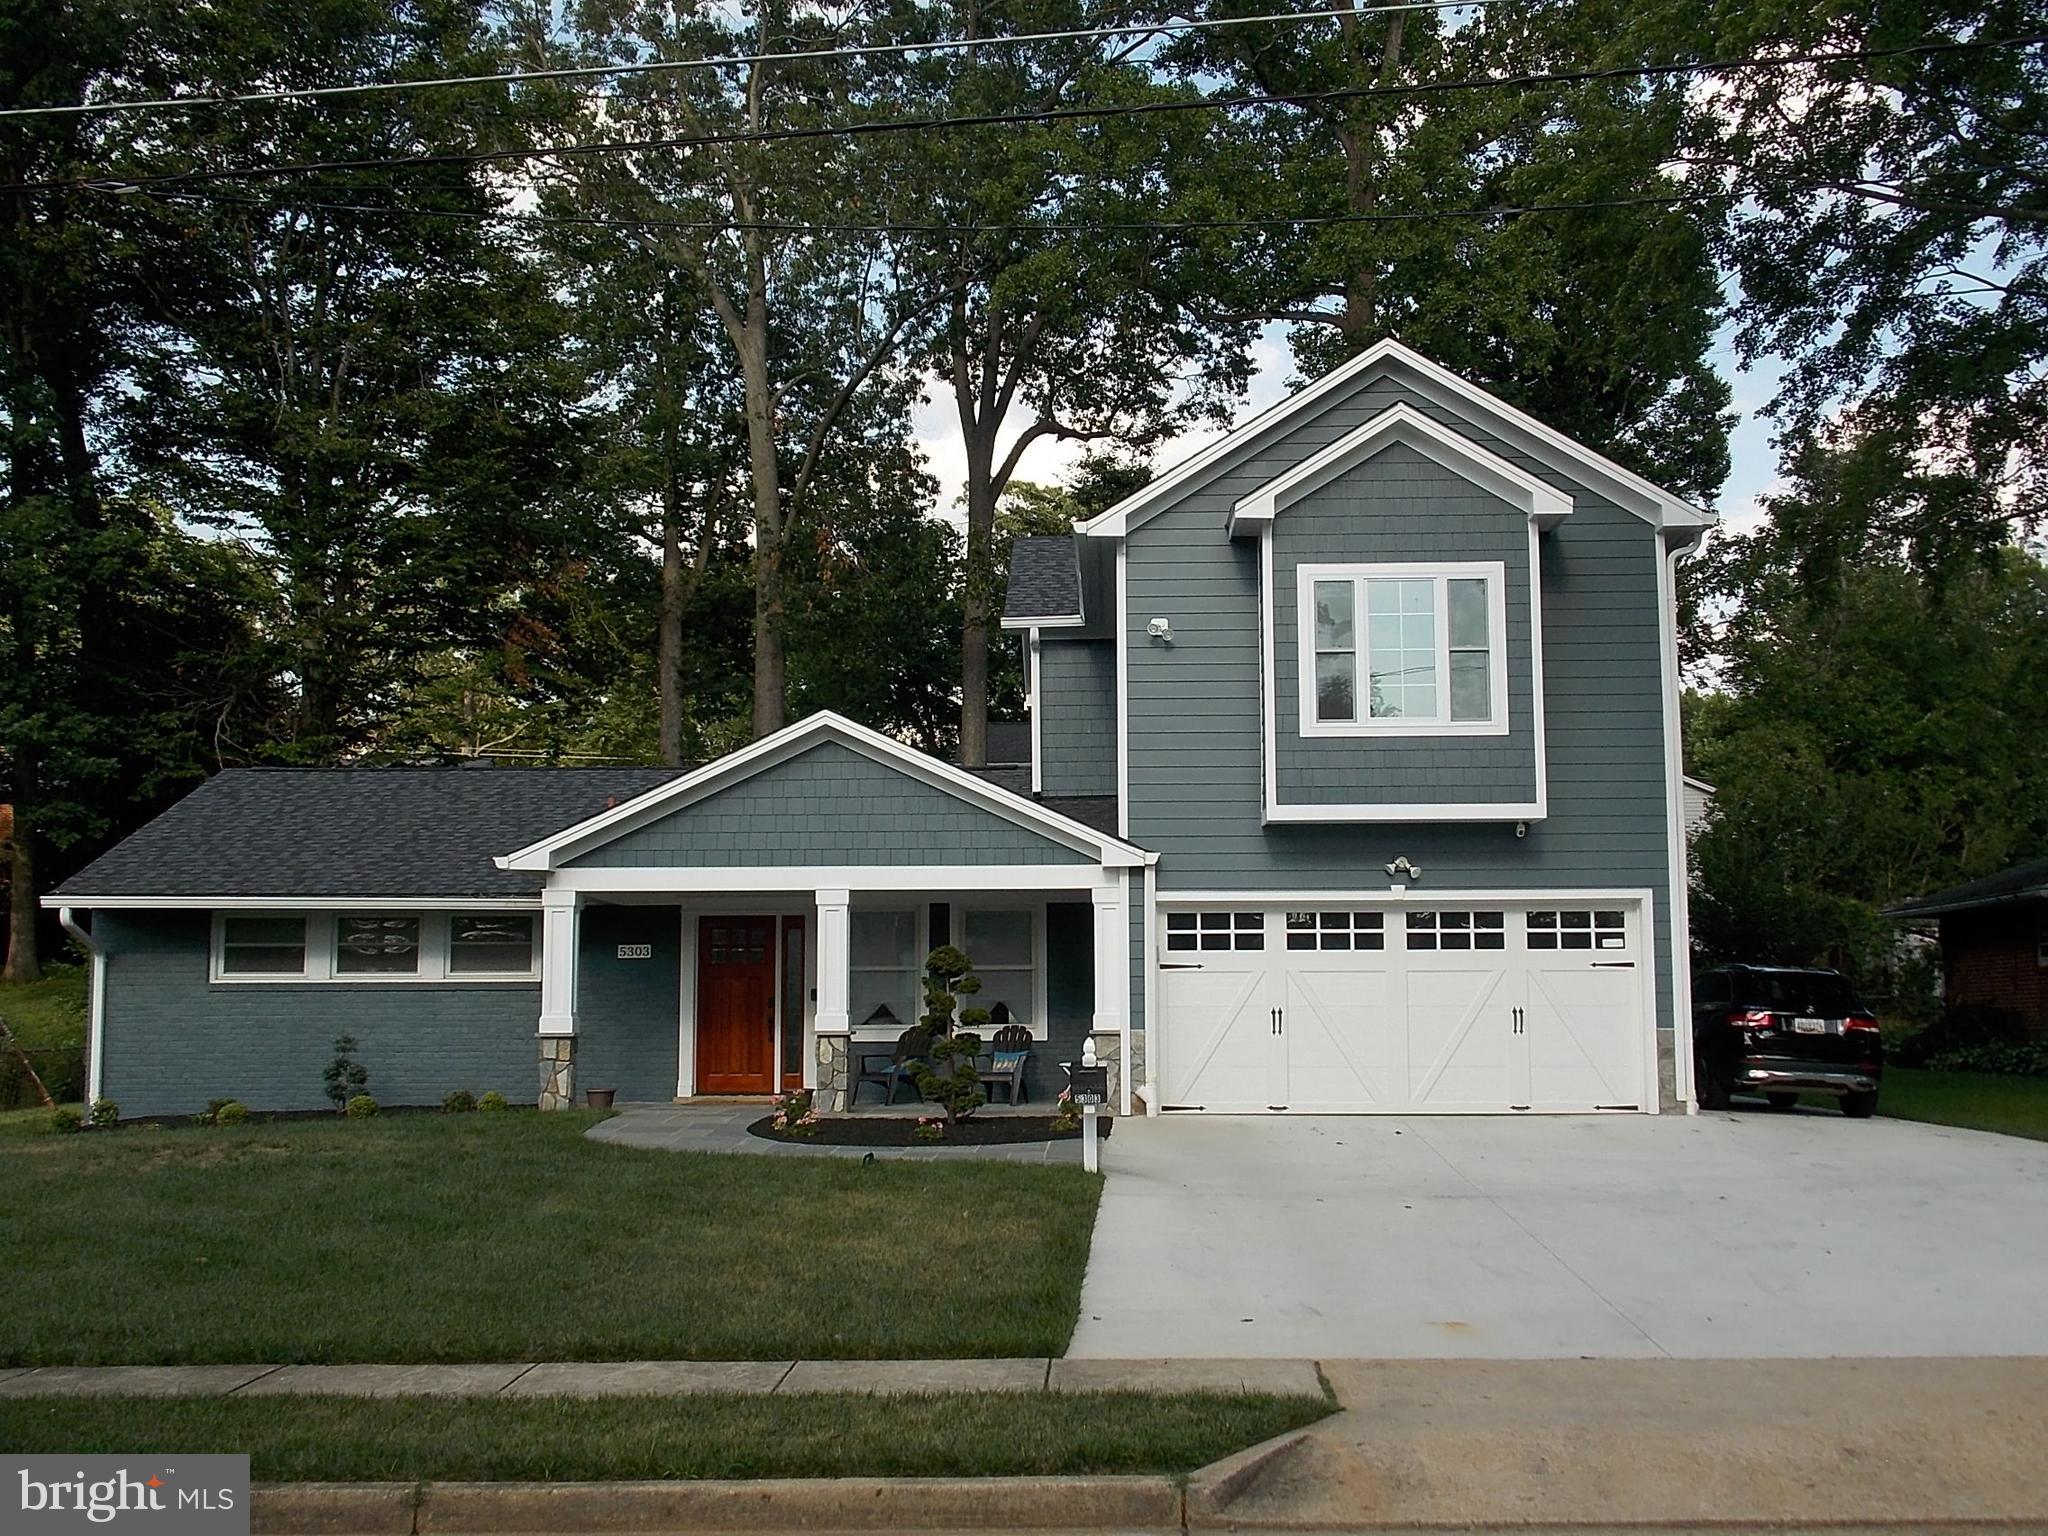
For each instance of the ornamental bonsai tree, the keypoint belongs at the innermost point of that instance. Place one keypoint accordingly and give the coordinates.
(346, 1078)
(947, 1077)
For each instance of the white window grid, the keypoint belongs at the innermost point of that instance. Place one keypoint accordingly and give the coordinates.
(1457, 929)
(1215, 930)
(1576, 928)
(1336, 930)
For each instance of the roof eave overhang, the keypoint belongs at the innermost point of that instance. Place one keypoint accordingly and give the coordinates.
(201, 902)
(1049, 621)
(1974, 904)
(736, 767)
(1544, 504)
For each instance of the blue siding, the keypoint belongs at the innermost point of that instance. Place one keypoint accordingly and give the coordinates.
(1077, 724)
(828, 805)
(175, 1040)
(628, 1012)
(1401, 505)
(1195, 708)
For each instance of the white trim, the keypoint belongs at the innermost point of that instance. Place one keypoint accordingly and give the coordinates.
(1269, 742)
(1536, 729)
(1493, 572)
(1678, 863)
(1123, 1001)
(1659, 507)
(96, 1006)
(297, 904)
(1044, 621)
(323, 937)
(552, 852)
(1040, 1022)
(1367, 814)
(1149, 958)
(1408, 896)
(691, 912)
(1034, 697)
(797, 880)
(561, 934)
(1542, 503)
(1123, 702)
(1111, 916)
(835, 961)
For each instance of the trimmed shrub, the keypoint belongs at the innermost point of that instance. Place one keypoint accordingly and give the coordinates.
(492, 1100)
(231, 1112)
(361, 1107)
(2026, 1060)
(105, 1113)
(65, 1120)
(460, 1102)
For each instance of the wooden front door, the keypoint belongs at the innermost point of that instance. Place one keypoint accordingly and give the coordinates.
(736, 1005)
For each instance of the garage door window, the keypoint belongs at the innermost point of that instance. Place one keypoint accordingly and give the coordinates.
(1574, 928)
(1457, 930)
(1336, 930)
(1215, 930)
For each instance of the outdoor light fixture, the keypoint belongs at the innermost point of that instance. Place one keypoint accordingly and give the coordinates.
(1401, 866)
(1161, 629)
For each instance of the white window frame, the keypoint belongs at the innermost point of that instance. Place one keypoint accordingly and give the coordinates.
(323, 935)
(1492, 572)
(920, 915)
(1038, 1023)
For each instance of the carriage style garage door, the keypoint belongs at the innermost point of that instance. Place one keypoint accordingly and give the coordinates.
(1477, 1008)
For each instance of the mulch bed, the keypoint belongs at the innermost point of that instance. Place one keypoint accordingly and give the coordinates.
(897, 1131)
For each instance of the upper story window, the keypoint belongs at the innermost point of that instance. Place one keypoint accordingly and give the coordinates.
(1403, 650)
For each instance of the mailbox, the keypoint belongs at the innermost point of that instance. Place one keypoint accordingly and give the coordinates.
(1089, 1085)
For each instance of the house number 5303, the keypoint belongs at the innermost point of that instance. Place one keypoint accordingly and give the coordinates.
(636, 951)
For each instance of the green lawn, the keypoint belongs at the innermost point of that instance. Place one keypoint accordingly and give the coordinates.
(511, 1237)
(346, 1439)
(1980, 1101)
(49, 1013)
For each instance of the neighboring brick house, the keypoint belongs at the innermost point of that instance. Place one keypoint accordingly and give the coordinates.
(1994, 941)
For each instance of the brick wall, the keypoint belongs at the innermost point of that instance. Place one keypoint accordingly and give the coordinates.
(1990, 959)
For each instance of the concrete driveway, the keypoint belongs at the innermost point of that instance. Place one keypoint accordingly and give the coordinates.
(1743, 1234)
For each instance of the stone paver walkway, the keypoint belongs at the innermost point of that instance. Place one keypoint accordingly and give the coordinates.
(723, 1128)
(614, 1378)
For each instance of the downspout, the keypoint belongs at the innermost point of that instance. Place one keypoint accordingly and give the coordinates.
(95, 1003)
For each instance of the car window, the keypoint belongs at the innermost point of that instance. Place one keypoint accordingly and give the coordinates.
(1713, 990)
(1802, 992)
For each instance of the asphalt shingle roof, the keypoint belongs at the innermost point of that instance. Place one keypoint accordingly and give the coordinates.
(2023, 882)
(1045, 578)
(356, 832)
(1009, 743)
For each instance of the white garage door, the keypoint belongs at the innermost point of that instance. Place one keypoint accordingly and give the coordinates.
(1473, 1008)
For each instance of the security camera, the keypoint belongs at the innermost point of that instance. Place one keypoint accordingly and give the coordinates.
(1161, 629)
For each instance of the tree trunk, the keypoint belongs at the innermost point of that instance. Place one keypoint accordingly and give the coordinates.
(669, 637)
(771, 674)
(974, 597)
(23, 962)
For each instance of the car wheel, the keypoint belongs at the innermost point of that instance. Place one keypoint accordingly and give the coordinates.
(1782, 1101)
(1713, 1093)
(1860, 1106)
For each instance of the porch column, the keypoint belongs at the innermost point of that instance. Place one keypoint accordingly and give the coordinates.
(560, 935)
(1112, 979)
(833, 1019)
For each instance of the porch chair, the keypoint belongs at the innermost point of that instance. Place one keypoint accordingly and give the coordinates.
(897, 1068)
(1010, 1049)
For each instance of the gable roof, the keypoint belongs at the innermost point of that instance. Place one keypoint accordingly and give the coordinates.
(553, 851)
(2022, 882)
(340, 833)
(1045, 582)
(1543, 503)
(1644, 497)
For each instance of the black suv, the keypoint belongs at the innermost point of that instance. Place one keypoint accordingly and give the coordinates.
(1781, 1032)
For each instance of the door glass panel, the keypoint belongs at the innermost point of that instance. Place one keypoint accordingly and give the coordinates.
(793, 992)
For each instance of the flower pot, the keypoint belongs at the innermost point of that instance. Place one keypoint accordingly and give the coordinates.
(599, 1098)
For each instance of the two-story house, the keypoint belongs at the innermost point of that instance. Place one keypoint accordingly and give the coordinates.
(1351, 783)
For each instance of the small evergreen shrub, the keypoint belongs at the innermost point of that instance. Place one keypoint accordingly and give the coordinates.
(346, 1078)
(105, 1113)
(493, 1100)
(231, 1112)
(947, 1076)
(64, 1120)
(460, 1102)
(211, 1114)
(361, 1107)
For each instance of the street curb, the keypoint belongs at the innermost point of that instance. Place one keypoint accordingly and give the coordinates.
(822, 1504)
(1213, 1489)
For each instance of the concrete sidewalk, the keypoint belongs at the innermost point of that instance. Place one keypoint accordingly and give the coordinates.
(616, 1378)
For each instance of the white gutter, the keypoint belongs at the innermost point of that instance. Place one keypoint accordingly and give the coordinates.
(95, 1003)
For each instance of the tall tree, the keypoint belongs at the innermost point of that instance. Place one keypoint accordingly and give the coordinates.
(1890, 233)
(1598, 320)
(812, 319)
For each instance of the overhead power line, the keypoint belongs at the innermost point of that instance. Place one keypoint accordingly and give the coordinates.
(732, 60)
(1524, 81)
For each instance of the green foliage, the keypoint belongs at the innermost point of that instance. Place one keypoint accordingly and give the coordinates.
(2021, 1060)
(1066, 1114)
(1869, 744)
(460, 1102)
(492, 1102)
(796, 1113)
(929, 1128)
(105, 1113)
(947, 1076)
(65, 1119)
(226, 1112)
(361, 1107)
(344, 1076)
